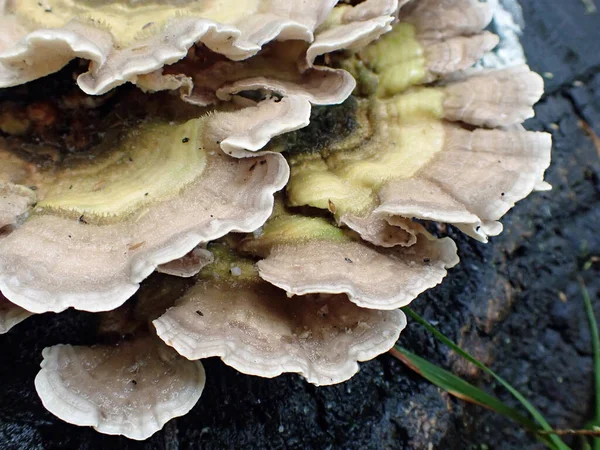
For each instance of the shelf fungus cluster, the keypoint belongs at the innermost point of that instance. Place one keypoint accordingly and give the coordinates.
(278, 163)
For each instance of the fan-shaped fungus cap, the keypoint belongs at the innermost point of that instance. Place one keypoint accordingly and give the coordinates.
(352, 27)
(273, 72)
(282, 67)
(437, 19)
(204, 78)
(432, 40)
(413, 151)
(132, 388)
(262, 122)
(255, 328)
(405, 160)
(497, 169)
(10, 314)
(127, 39)
(148, 194)
(305, 255)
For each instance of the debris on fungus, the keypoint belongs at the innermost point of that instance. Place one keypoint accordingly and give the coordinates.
(371, 120)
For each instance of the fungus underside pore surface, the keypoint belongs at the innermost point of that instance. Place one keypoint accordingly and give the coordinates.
(512, 287)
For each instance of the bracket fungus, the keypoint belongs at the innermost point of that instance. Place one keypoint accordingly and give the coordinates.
(126, 39)
(309, 255)
(132, 389)
(450, 152)
(371, 118)
(130, 383)
(147, 194)
(255, 328)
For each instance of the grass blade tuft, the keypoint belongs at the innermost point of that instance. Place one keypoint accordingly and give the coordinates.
(596, 350)
(539, 418)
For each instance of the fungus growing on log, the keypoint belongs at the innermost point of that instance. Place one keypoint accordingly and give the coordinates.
(132, 389)
(309, 255)
(149, 193)
(125, 39)
(369, 118)
(255, 328)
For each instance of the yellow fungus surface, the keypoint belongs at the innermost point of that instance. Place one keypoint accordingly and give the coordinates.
(285, 228)
(129, 21)
(405, 134)
(150, 162)
(398, 58)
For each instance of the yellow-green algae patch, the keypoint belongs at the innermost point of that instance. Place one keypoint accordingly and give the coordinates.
(130, 20)
(397, 59)
(228, 266)
(150, 162)
(395, 138)
(286, 228)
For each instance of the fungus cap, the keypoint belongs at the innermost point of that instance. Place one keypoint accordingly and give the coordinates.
(257, 329)
(188, 266)
(451, 151)
(403, 162)
(126, 39)
(306, 255)
(432, 40)
(123, 40)
(281, 67)
(150, 195)
(131, 389)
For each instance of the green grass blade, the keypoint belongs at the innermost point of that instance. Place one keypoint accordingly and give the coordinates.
(596, 349)
(459, 387)
(543, 423)
(464, 390)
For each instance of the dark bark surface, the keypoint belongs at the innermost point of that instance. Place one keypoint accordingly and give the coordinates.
(515, 303)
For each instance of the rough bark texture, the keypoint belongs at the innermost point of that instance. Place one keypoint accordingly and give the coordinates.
(515, 303)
